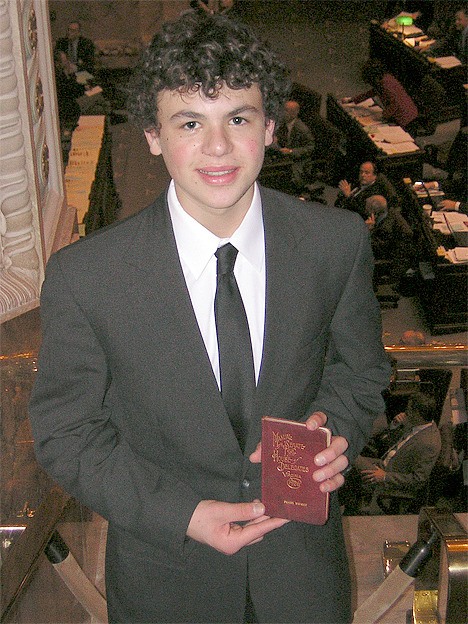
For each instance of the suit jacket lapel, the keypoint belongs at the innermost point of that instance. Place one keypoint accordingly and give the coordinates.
(153, 255)
(285, 296)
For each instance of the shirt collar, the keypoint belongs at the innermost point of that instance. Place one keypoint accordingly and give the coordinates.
(197, 245)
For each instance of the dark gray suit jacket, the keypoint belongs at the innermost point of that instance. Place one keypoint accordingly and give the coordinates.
(409, 469)
(127, 415)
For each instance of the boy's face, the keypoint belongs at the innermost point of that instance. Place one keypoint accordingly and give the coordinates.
(213, 150)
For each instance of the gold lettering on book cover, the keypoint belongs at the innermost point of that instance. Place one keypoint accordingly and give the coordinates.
(286, 455)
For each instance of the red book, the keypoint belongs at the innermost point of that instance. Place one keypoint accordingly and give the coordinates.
(288, 489)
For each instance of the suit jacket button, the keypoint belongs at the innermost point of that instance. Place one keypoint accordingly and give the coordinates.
(245, 484)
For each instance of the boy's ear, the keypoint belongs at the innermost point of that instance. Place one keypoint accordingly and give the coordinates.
(153, 141)
(270, 132)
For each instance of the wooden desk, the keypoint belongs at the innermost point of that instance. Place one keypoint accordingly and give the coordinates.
(443, 286)
(360, 147)
(89, 178)
(410, 67)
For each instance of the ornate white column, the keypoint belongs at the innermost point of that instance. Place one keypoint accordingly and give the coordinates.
(33, 210)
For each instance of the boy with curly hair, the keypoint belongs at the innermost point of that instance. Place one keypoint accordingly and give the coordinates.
(129, 411)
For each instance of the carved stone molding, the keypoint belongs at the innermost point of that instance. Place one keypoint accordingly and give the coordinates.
(19, 258)
(33, 211)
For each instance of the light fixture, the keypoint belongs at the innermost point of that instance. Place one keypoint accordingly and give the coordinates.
(403, 20)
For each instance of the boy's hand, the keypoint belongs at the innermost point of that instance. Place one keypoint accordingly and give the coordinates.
(332, 460)
(216, 524)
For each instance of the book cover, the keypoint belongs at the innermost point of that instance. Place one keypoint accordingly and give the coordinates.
(288, 489)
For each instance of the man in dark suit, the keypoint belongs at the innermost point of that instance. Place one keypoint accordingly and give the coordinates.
(412, 445)
(129, 411)
(406, 466)
(456, 40)
(295, 141)
(370, 182)
(293, 136)
(79, 50)
(391, 236)
(461, 42)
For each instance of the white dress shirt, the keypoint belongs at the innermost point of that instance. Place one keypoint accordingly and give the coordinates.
(196, 247)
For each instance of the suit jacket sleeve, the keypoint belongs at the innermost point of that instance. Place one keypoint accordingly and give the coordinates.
(356, 370)
(75, 439)
(302, 140)
(86, 55)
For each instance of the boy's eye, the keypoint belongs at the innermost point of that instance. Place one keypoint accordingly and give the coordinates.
(238, 121)
(191, 125)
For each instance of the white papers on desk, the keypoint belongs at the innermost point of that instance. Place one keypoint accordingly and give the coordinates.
(422, 42)
(458, 255)
(390, 134)
(398, 148)
(409, 31)
(366, 103)
(455, 223)
(446, 62)
(94, 91)
(392, 139)
(367, 113)
(440, 222)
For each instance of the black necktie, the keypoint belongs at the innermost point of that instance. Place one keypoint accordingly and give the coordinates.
(235, 349)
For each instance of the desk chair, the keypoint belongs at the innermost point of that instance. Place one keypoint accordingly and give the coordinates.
(430, 98)
(385, 286)
(325, 161)
(398, 505)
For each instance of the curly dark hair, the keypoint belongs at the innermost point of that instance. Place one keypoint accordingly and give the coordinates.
(205, 52)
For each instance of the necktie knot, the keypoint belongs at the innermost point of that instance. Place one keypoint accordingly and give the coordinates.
(226, 256)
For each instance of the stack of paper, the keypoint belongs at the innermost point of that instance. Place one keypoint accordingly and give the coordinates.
(398, 148)
(410, 31)
(420, 42)
(392, 139)
(458, 255)
(389, 134)
(367, 113)
(446, 62)
(440, 222)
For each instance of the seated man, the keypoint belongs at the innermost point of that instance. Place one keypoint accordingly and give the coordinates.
(390, 234)
(294, 139)
(68, 92)
(455, 42)
(79, 50)
(405, 467)
(370, 183)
